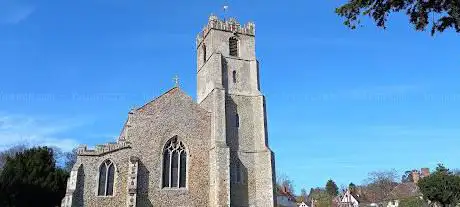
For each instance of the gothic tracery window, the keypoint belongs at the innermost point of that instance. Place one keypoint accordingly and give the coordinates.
(106, 178)
(233, 46)
(174, 164)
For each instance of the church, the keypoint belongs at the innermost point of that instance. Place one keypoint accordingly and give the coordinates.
(176, 151)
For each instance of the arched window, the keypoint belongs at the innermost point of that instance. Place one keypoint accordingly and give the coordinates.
(234, 76)
(233, 46)
(204, 53)
(174, 164)
(106, 178)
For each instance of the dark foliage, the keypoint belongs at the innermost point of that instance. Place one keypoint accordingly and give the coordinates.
(442, 14)
(331, 188)
(31, 178)
(412, 202)
(353, 189)
(10, 153)
(442, 187)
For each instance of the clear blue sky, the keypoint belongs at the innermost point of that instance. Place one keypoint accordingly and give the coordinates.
(340, 103)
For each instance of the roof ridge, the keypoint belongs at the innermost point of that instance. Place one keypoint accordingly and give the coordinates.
(153, 100)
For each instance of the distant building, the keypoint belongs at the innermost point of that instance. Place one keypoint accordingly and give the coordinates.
(303, 204)
(402, 191)
(348, 199)
(417, 175)
(352, 199)
(285, 198)
(425, 172)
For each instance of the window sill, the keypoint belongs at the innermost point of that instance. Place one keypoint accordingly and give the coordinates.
(175, 189)
(111, 196)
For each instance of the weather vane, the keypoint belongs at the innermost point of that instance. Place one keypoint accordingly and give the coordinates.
(225, 9)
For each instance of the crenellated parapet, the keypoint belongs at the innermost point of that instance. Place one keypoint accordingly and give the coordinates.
(230, 25)
(103, 149)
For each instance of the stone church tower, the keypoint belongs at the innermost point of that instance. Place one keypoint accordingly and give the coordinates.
(174, 151)
(228, 86)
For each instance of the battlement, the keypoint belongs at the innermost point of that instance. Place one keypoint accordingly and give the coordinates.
(103, 149)
(230, 25)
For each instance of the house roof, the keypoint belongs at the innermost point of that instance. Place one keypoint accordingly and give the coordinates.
(358, 197)
(302, 204)
(362, 199)
(284, 191)
(404, 190)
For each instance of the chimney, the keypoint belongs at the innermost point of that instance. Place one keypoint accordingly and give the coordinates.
(284, 189)
(425, 172)
(415, 176)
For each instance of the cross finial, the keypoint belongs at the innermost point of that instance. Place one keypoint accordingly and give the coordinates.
(176, 81)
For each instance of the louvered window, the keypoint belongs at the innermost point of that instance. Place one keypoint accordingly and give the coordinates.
(233, 46)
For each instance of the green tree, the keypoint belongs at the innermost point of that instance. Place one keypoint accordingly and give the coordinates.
(11, 152)
(331, 188)
(353, 189)
(441, 187)
(31, 178)
(320, 198)
(441, 14)
(412, 202)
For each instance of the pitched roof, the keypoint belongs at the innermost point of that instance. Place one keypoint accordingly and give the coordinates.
(170, 91)
(404, 190)
(284, 191)
(362, 199)
(175, 91)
